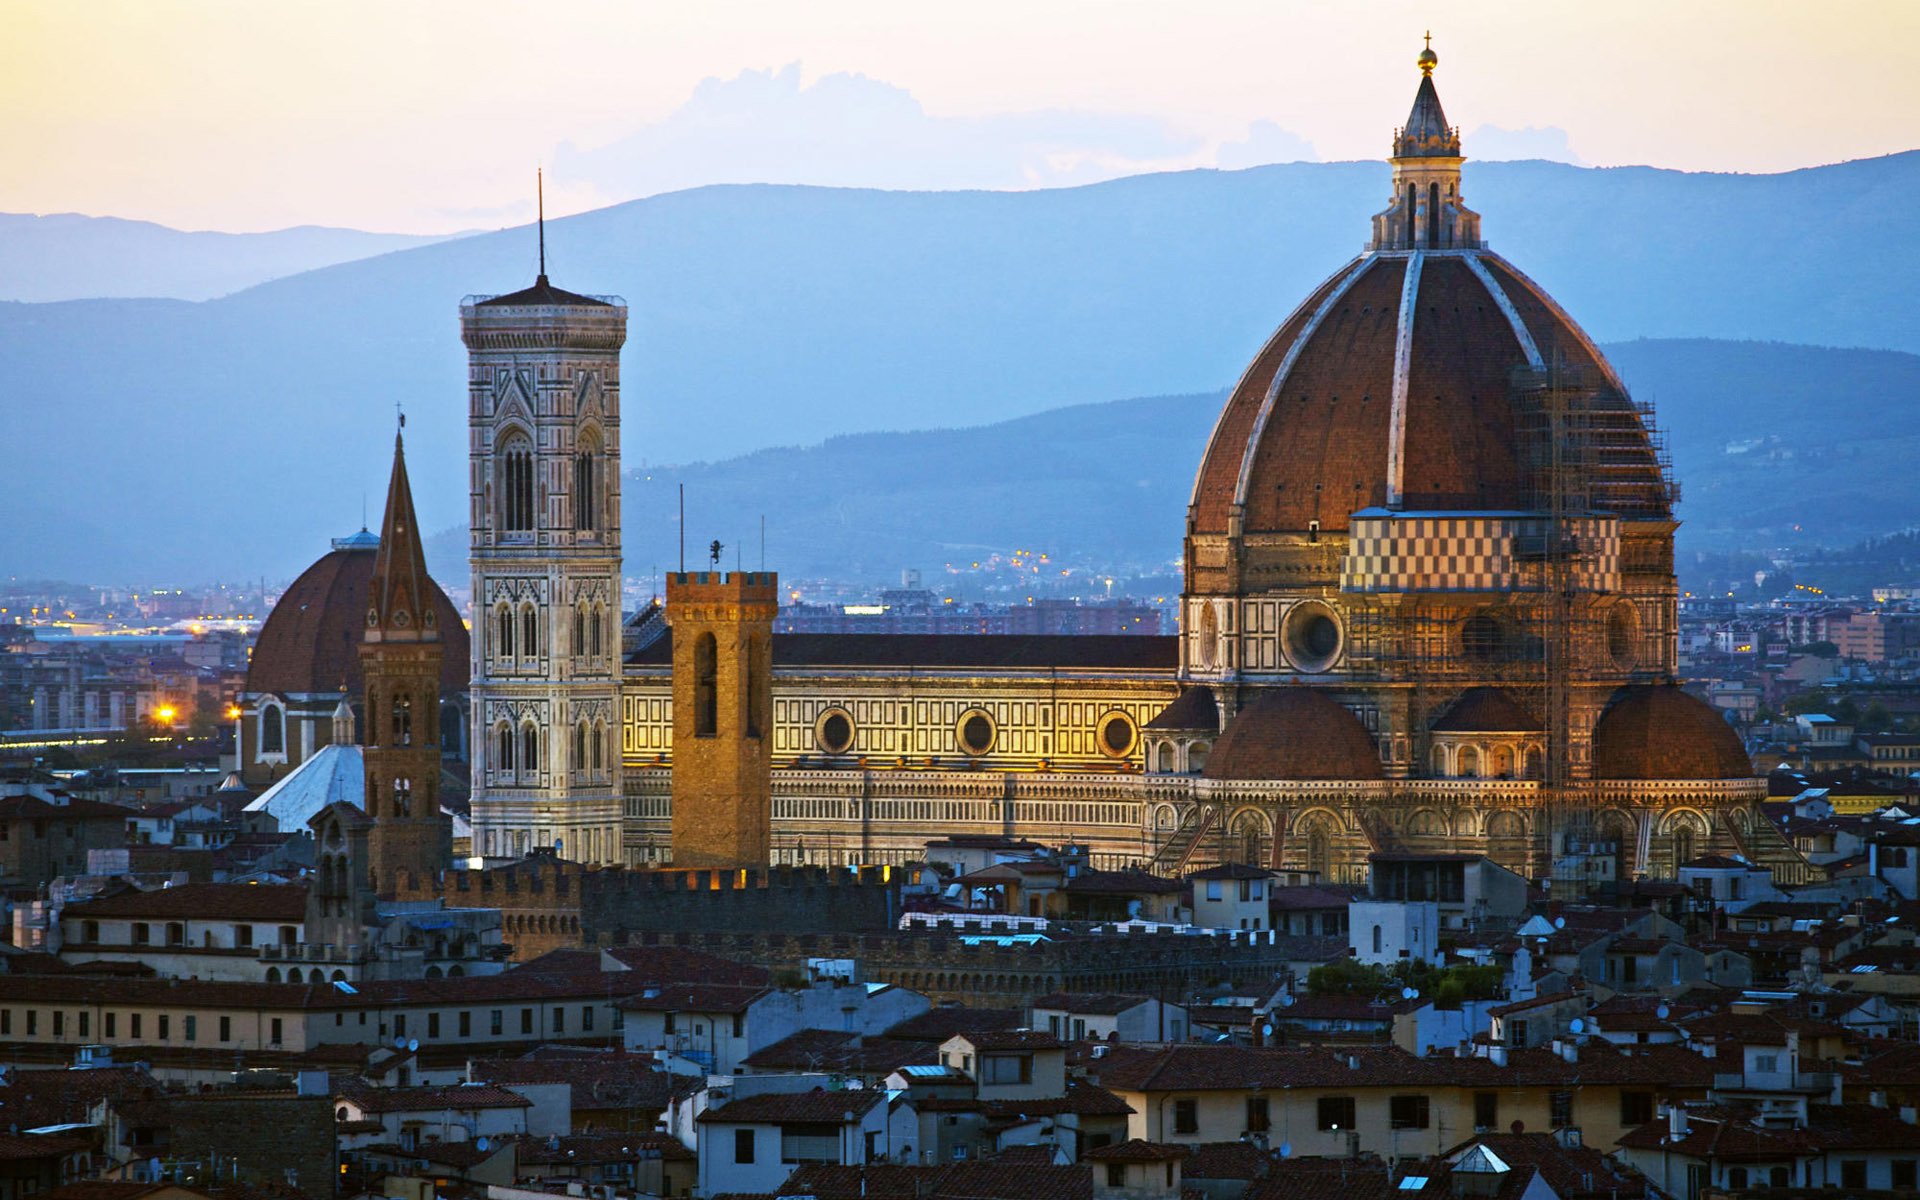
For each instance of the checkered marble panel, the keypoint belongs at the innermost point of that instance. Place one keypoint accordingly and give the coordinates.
(1473, 552)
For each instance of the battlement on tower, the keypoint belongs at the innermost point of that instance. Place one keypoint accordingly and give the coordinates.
(717, 587)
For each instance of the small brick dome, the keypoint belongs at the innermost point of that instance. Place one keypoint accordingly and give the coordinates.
(310, 642)
(1661, 732)
(1294, 733)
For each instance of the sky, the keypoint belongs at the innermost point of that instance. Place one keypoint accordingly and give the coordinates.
(429, 116)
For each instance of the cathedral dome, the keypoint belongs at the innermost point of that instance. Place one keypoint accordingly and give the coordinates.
(1661, 732)
(1410, 379)
(311, 639)
(1294, 733)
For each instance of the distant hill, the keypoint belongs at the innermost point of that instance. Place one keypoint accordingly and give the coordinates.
(66, 256)
(1766, 437)
(234, 436)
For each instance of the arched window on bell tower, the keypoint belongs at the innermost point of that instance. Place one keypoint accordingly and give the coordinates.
(503, 736)
(530, 753)
(529, 632)
(515, 456)
(402, 709)
(586, 484)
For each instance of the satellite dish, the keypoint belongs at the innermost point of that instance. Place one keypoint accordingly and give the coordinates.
(1407, 993)
(482, 1145)
(1578, 1026)
(1663, 1012)
(1286, 1149)
(399, 1043)
(1286, 1000)
(1266, 1030)
(1559, 922)
(413, 1044)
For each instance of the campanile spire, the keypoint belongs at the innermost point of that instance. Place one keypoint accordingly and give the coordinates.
(1426, 212)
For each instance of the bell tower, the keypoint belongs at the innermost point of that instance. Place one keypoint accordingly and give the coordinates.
(400, 656)
(543, 408)
(722, 716)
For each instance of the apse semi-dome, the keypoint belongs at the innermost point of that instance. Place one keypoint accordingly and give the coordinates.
(1404, 380)
(1486, 710)
(311, 640)
(1658, 731)
(1294, 733)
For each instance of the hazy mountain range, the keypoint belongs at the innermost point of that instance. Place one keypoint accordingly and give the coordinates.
(66, 256)
(234, 436)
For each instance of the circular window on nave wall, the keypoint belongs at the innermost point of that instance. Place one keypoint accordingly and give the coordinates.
(1483, 638)
(1312, 636)
(1118, 734)
(976, 731)
(833, 732)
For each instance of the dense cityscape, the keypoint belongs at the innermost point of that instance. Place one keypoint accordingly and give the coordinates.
(1428, 823)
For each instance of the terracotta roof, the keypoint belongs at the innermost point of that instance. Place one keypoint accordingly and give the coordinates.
(75, 988)
(837, 1050)
(459, 1097)
(1730, 1137)
(1107, 1004)
(542, 294)
(1136, 1150)
(1661, 732)
(599, 1078)
(938, 1024)
(1235, 1068)
(1194, 709)
(1324, 1179)
(1294, 733)
(37, 1098)
(1012, 650)
(25, 1147)
(32, 808)
(279, 902)
(695, 997)
(1486, 710)
(1233, 871)
(816, 1105)
(996, 1180)
(994, 1040)
(1119, 883)
(311, 639)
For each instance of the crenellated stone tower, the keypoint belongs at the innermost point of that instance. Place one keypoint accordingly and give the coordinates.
(722, 716)
(543, 381)
(400, 655)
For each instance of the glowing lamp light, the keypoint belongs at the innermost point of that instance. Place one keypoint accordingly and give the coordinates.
(165, 714)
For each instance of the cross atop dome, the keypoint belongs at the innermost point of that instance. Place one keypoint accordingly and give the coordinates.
(1425, 212)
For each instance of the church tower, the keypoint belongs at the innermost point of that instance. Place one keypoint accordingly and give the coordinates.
(543, 388)
(400, 656)
(722, 716)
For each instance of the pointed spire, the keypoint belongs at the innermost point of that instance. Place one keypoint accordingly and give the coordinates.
(400, 607)
(540, 203)
(1427, 134)
(1425, 211)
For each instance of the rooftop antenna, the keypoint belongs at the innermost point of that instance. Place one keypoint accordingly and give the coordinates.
(683, 529)
(540, 208)
(763, 543)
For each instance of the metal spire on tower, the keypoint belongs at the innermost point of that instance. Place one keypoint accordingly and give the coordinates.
(540, 202)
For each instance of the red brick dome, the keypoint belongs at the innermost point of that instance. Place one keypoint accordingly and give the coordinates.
(311, 639)
(1486, 710)
(1294, 733)
(1309, 433)
(1660, 732)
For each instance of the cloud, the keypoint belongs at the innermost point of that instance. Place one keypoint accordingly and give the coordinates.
(1265, 143)
(1491, 143)
(850, 130)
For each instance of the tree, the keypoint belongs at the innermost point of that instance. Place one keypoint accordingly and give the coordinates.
(1347, 977)
(1876, 719)
(1821, 649)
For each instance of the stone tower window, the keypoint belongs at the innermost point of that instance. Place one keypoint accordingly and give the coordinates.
(516, 485)
(586, 493)
(503, 637)
(530, 752)
(706, 686)
(505, 738)
(529, 631)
